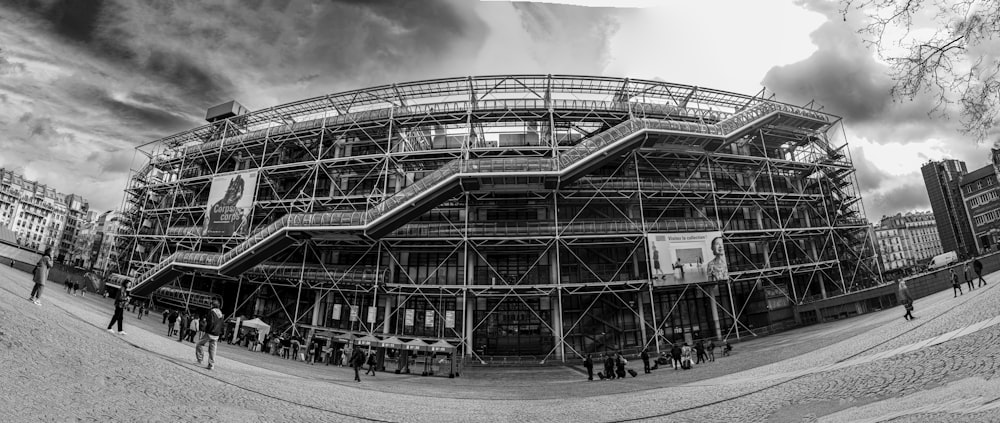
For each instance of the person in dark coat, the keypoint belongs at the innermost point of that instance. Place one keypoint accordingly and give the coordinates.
(40, 275)
(967, 271)
(609, 366)
(978, 267)
(372, 363)
(711, 350)
(171, 321)
(699, 349)
(589, 364)
(956, 287)
(675, 356)
(620, 363)
(121, 300)
(645, 360)
(357, 360)
(185, 322)
(906, 300)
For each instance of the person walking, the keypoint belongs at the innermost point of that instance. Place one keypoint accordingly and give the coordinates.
(121, 300)
(620, 362)
(699, 349)
(906, 300)
(40, 275)
(686, 357)
(968, 276)
(171, 322)
(675, 356)
(978, 267)
(166, 313)
(711, 350)
(357, 360)
(588, 363)
(372, 363)
(193, 329)
(956, 287)
(644, 356)
(185, 322)
(216, 324)
(142, 308)
(317, 352)
(609, 366)
(177, 323)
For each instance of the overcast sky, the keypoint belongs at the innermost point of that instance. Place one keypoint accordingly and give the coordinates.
(83, 83)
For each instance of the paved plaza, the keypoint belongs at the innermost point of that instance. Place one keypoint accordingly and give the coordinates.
(61, 364)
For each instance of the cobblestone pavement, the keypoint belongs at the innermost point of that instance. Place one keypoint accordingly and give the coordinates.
(60, 364)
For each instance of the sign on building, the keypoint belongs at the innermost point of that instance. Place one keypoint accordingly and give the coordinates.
(229, 202)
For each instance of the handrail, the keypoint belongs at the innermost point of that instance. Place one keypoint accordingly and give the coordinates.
(571, 157)
(401, 112)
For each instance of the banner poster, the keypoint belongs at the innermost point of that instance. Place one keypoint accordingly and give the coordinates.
(354, 314)
(371, 314)
(229, 202)
(336, 311)
(687, 257)
(429, 319)
(449, 319)
(408, 320)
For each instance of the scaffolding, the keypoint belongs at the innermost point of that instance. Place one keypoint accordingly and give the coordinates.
(509, 214)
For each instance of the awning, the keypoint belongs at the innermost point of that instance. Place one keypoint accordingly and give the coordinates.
(367, 340)
(418, 345)
(442, 346)
(392, 342)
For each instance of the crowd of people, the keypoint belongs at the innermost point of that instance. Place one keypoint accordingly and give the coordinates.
(680, 357)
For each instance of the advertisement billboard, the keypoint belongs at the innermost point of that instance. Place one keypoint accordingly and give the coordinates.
(687, 257)
(229, 201)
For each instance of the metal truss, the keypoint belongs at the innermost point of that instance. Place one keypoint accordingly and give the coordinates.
(781, 191)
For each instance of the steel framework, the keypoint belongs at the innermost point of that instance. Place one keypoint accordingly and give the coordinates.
(509, 214)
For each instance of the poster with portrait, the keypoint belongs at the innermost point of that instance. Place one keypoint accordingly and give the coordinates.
(229, 201)
(408, 319)
(687, 257)
(372, 311)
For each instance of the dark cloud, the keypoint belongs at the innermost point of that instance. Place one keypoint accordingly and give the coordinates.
(37, 127)
(138, 111)
(840, 75)
(910, 196)
(378, 42)
(146, 117)
(113, 162)
(870, 177)
(104, 30)
(77, 20)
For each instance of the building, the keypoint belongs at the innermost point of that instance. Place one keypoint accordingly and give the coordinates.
(907, 243)
(942, 180)
(104, 253)
(980, 195)
(527, 215)
(40, 216)
(893, 253)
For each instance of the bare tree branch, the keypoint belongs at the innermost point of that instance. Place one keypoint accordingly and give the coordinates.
(950, 64)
